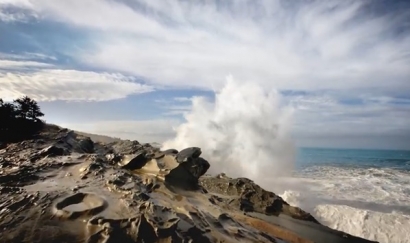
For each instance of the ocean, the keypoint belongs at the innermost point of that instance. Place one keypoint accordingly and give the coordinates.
(362, 192)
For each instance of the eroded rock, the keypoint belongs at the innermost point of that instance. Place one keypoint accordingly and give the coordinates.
(88, 198)
(133, 161)
(249, 197)
(86, 145)
(52, 150)
(188, 153)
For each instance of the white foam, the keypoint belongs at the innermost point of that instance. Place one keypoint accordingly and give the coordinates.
(245, 132)
(382, 227)
(370, 203)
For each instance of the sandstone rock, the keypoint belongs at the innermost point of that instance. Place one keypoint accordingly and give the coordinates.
(188, 173)
(86, 145)
(185, 154)
(117, 205)
(250, 197)
(134, 161)
(52, 150)
(170, 151)
(113, 158)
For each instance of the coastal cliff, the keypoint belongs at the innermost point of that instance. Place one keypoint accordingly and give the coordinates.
(63, 186)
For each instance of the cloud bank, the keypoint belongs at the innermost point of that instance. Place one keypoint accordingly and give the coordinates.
(309, 45)
(68, 85)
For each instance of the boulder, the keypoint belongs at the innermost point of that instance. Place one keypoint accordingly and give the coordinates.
(170, 151)
(86, 145)
(52, 150)
(185, 154)
(133, 161)
(188, 173)
(113, 158)
(247, 196)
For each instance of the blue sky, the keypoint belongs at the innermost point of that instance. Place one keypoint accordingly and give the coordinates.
(130, 68)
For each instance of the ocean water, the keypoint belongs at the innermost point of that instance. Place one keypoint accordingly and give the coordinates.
(362, 192)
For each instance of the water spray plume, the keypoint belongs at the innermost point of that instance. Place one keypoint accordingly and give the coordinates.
(245, 132)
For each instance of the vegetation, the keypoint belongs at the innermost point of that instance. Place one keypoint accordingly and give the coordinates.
(19, 120)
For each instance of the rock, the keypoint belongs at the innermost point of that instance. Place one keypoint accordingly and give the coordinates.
(133, 161)
(170, 151)
(99, 202)
(188, 173)
(197, 167)
(86, 145)
(185, 154)
(249, 197)
(52, 151)
(113, 158)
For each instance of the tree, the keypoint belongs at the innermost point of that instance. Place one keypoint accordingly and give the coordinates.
(7, 116)
(28, 109)
(19, 120)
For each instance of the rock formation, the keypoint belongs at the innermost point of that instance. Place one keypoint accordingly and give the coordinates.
(63, 187)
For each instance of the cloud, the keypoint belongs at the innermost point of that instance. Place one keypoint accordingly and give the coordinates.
(365, 122)
(19, 65)
(328, 53)
(315, 45)
(26, 56)
(69, 85)
(145, 131)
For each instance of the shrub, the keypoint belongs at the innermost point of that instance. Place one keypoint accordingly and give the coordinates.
(20, 119)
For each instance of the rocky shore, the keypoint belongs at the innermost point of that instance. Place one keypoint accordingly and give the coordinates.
(62, 186)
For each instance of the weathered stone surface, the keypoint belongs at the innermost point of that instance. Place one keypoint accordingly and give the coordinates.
(134, 161)
(88, 198)
(86, 145)
(185, 154)
(188, 172)
(249, 197)
(170, 151)
(52, 150)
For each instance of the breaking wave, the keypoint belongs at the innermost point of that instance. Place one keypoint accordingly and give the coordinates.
(244, 132)
(366, 202)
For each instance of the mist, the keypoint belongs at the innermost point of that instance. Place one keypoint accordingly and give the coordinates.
(244, 132)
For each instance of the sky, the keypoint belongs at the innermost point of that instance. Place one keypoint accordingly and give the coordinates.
(339, 71)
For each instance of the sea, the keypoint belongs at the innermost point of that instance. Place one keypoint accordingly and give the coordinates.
(362, 192)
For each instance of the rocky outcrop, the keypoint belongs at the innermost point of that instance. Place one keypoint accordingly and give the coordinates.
(247, 196)
(63, 187)
(188, 153)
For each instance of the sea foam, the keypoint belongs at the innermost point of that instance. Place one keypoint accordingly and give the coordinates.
(366, 202)
(244, 132)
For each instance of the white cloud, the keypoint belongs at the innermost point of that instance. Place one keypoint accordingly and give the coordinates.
(18, 65)
(25, 56)
(68, 85)
(341, 47)
(183, 99)
(315, 45)
(322, 120)
(145, 131)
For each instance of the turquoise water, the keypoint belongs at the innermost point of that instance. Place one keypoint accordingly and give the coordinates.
(357, 158)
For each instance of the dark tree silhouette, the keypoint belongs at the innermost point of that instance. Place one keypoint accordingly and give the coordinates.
(19, 120)
(28, 109)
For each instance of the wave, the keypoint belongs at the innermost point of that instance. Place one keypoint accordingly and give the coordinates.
(370, 203)
(244, 131)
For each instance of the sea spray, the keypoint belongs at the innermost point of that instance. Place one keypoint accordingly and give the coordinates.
(245, 132)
